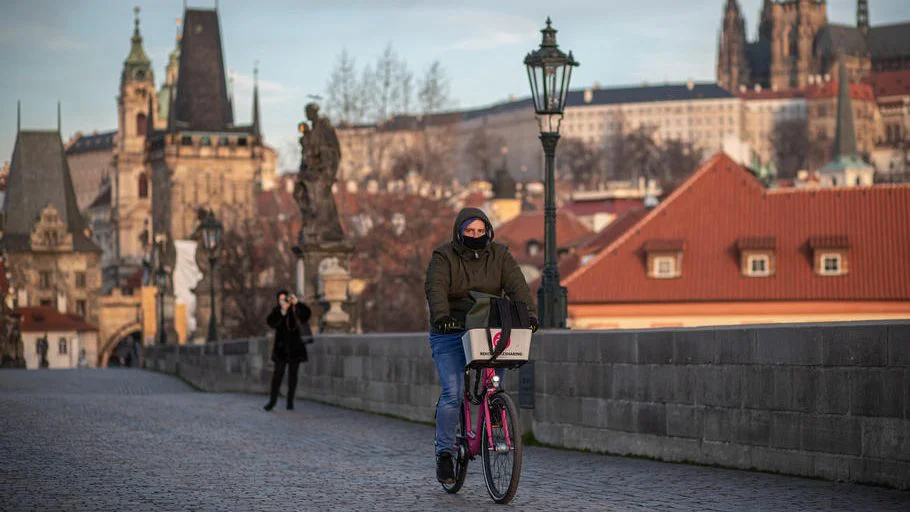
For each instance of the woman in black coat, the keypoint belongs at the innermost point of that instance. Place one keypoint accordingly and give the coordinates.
(290, 319)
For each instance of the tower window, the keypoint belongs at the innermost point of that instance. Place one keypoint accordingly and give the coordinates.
(80, 279)
(143, 186)
(141, 124)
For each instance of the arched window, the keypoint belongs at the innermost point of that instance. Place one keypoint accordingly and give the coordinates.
(140, 123)
(61, 346)
(143, 186)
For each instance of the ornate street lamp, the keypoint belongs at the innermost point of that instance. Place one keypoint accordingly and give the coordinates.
(211, 239)
(549, 73)
(161, 281)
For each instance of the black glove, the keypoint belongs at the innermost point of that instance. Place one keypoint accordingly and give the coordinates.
(447, 325)
(534, 324)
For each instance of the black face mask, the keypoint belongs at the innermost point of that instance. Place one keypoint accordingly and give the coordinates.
(475, 243)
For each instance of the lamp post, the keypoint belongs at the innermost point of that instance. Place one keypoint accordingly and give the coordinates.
(549, 73)
(211, 239)
(161, 281)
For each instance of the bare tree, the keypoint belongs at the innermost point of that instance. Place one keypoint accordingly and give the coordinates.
(433, 94)
(254, 262)
(790, 140)
(679, 159)
(344, 104)
(483, 151)
(392, 253)
(580, 162)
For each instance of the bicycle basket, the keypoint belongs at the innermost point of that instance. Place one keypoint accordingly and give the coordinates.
(477, 347)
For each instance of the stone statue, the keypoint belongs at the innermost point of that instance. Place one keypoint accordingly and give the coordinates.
(41, 348)
(319, 161)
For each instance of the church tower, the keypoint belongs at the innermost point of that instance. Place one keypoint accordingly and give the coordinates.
(132, 186)
(732, 64)
(794, 25)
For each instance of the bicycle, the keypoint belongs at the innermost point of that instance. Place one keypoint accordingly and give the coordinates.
(497, 438)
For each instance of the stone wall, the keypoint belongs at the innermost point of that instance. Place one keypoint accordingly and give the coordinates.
(821, 400)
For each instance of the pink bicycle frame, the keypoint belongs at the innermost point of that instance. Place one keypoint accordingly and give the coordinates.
(483, 415)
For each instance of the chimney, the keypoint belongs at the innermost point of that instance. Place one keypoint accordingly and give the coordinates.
(589, 95)
(690, 85)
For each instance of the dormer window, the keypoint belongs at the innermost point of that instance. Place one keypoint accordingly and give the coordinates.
(830, 254)
(663, 267)
(831, 264)
(533, 248)
(759, 265)
(663, 258)
(757, 256)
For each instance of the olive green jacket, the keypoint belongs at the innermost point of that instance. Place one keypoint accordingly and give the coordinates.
(455, 270)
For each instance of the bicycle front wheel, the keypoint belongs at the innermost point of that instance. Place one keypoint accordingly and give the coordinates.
(502, 463)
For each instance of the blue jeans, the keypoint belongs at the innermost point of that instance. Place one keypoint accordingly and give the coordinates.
(448, 354)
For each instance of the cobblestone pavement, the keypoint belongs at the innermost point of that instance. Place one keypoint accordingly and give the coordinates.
(135, 440)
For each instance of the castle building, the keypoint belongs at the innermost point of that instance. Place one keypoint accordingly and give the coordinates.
(796, 44)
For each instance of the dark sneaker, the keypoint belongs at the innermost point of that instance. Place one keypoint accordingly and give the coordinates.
(445, 469)
(290, 406)
(269, 406)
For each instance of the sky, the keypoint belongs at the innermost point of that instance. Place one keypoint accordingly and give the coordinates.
(73, 51)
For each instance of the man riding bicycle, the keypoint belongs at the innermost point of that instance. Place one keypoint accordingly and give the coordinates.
(470, 262)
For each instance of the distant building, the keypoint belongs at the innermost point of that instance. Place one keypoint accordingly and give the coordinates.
(846, 167)
(796, 43)
(598, 208)
(892, 152)
(71, 341)
(724, 250)
(91, 161)
(524, 235)
(822, 104)
(700, 113)
(51, 259)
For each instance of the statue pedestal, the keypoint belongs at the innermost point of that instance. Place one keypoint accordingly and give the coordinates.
(326, 300)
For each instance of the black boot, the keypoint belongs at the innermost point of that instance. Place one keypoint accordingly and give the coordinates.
(445, 469)
(290, 405)
(269, 406)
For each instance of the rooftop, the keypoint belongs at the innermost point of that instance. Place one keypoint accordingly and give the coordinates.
(43, 319)
(722, 203)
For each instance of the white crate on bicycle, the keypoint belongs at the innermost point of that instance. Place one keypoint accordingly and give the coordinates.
(477, 346)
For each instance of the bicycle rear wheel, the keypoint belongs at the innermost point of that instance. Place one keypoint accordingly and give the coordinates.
(461, 461)
(502, 464)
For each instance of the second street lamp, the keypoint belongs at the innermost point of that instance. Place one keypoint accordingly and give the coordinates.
(549, 73)
(211, 239)
(161, 281)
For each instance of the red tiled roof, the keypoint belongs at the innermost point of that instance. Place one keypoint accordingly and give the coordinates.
(529, 226)
(610, 233)
(43, 318)
(614, 206)
(722, 203)
(890, 83)
(829, 90)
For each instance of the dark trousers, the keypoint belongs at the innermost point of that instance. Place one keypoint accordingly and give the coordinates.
(279, 375)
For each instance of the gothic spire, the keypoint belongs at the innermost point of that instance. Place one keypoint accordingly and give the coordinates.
(137, 65)
(862, 16)
(845, 136)
(256, 99)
